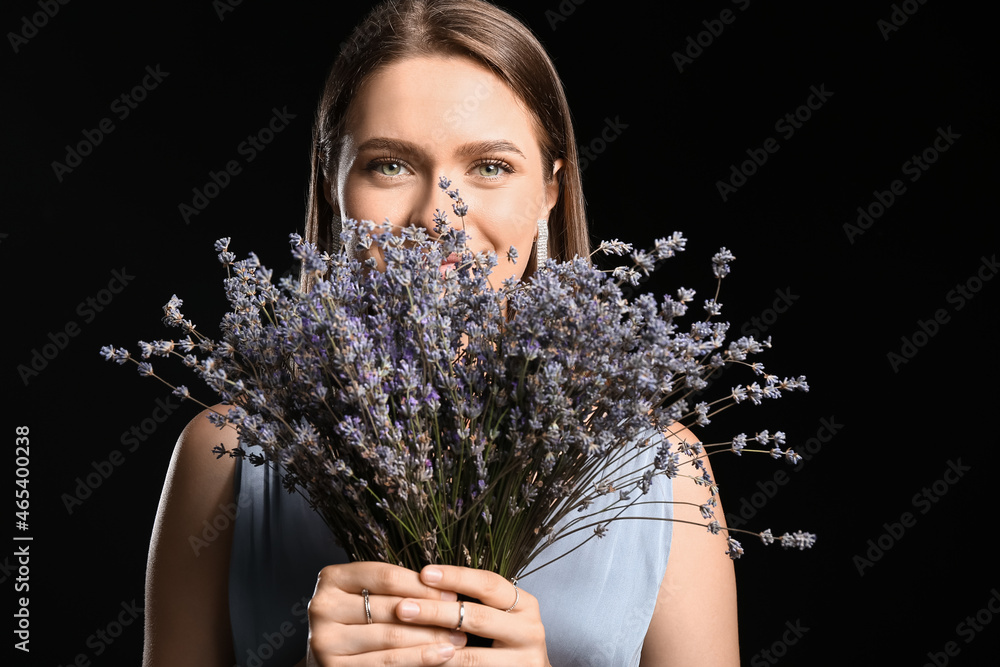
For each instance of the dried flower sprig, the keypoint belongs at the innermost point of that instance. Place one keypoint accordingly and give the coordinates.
(432, 419)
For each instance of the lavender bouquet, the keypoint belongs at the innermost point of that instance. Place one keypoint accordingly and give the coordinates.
(429, 418)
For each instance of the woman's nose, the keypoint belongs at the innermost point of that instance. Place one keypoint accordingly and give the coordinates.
(432, 208)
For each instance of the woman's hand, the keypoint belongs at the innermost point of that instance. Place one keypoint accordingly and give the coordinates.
(414, 618)
(518, 635)
(340, 632)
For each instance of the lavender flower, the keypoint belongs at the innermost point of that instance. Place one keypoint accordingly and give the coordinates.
(720, 263)
(798, 539)
(416, 410)
(735, 549)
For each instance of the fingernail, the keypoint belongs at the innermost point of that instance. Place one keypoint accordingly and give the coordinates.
(446, 650)
(432, 575)
(458, 638)
(408, 609)
(449, 596)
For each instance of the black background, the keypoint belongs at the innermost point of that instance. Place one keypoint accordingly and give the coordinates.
(852, 299)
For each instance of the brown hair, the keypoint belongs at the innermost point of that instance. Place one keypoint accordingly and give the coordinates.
(397, 29)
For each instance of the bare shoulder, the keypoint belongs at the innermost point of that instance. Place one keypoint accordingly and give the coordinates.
(197, 475)
(198, 439)
(187, 606)
(699, 582)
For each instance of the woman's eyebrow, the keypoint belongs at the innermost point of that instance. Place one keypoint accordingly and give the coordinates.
(470, 149)
(388, 145)
(474, 148)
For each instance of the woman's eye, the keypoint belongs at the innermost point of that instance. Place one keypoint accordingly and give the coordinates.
(491, 169)
(389, 168)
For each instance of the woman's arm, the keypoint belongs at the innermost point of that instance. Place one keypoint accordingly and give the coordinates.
(694, 622)
(187, 574)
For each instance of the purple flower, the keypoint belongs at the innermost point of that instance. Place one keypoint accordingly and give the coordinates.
(735, 549)
(798, 539)
(414, 408)
(720, 263)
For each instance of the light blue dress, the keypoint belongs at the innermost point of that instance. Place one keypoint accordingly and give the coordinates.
(596, 603)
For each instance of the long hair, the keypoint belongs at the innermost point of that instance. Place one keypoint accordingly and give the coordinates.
(397, 29)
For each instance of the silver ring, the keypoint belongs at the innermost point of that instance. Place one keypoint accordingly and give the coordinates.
(368, 608)
(517, 595)
(461, 614)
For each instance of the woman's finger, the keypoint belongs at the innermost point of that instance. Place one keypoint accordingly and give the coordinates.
(353, 640)
(489, 588)
(467, 617)
(379, 579)
(338, 606)
(349, 608)
(418, 656)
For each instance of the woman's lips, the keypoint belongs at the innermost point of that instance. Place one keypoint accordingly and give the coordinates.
(450, 262)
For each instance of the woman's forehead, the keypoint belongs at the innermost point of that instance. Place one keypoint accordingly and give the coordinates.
(439, 100)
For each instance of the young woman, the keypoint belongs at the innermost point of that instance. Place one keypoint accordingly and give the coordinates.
(430, 88)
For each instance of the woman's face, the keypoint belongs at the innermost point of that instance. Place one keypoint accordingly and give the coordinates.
(426, 117)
